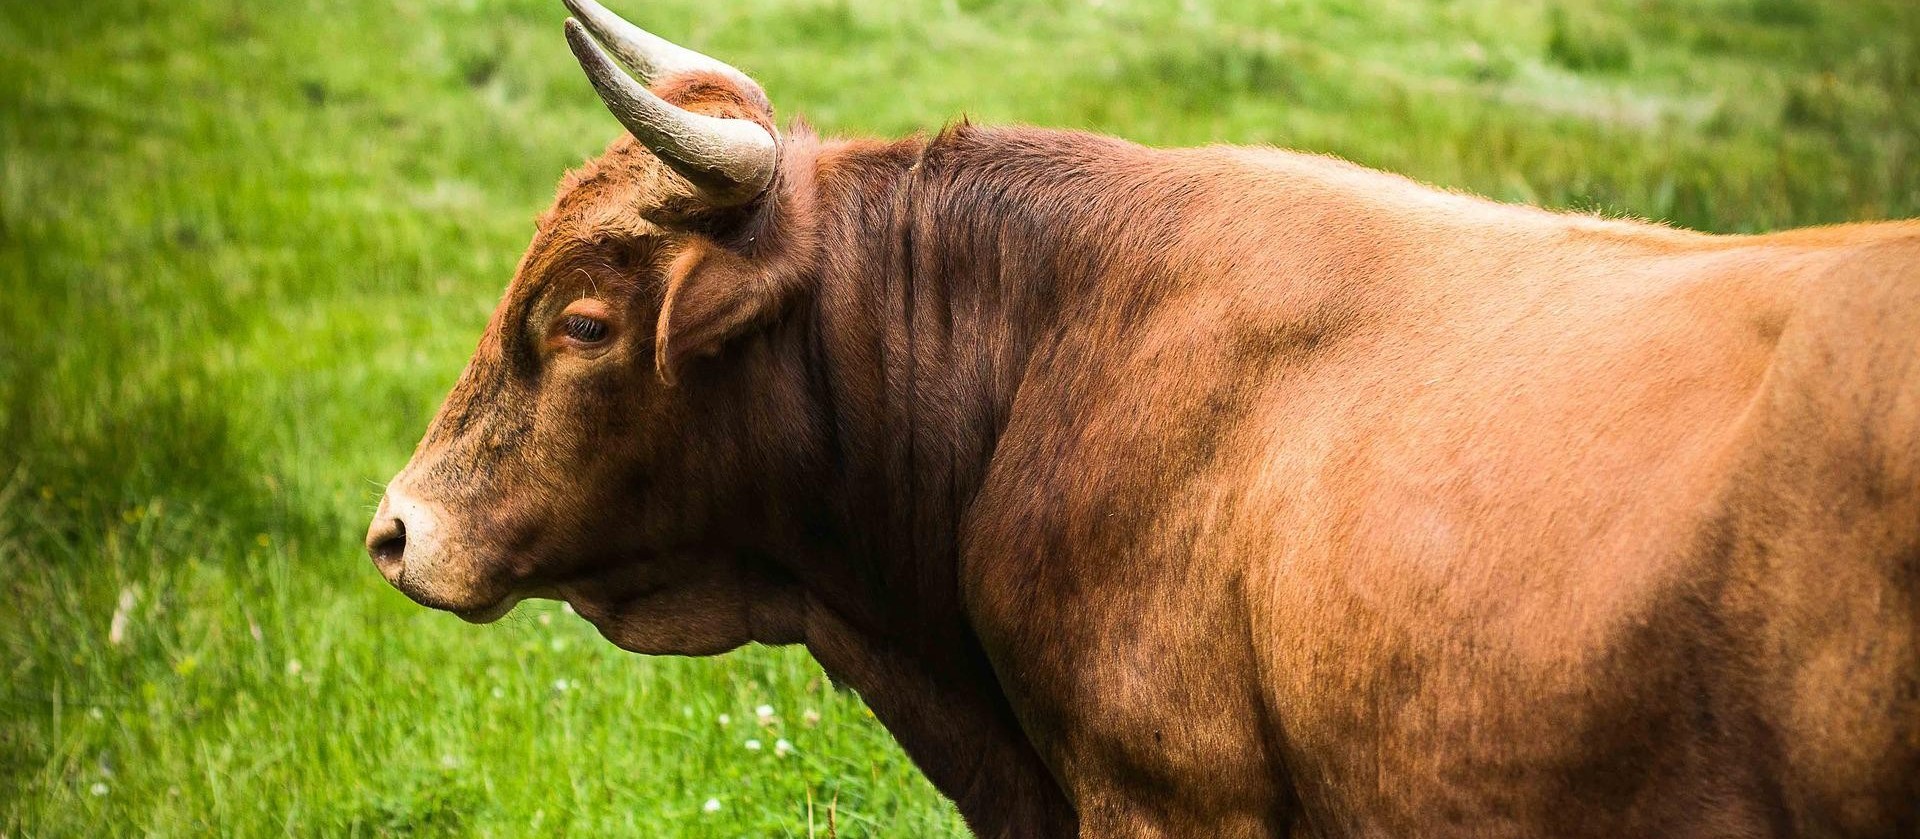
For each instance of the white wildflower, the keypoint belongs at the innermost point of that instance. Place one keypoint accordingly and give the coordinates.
(810, 718)
(98, 789)
(726, 719)
(117, 628)
(753, 745)
(782, 748)
(712, 805)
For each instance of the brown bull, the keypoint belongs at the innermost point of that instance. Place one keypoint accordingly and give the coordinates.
(1209, 492)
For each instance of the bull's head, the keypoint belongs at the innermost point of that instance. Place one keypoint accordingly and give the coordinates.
(568, 461)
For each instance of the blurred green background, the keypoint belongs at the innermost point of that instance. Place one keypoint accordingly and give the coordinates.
(245, 247)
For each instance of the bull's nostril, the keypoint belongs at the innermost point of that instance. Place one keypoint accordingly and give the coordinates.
(390, 544)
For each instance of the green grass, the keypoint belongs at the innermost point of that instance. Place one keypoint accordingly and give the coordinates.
(245, 247)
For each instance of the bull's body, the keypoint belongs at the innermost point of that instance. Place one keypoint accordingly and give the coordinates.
(1377, 511)
(1210, 492)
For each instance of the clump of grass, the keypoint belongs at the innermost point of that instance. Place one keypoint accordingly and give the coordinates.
(1784, 12)
(1203, 72)
(1586, 42)
(1827, 102)
(1486, 67)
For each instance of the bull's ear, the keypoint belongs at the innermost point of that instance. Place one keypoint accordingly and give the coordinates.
(712, 296)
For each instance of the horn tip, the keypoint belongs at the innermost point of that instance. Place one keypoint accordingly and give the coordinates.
(582, 43)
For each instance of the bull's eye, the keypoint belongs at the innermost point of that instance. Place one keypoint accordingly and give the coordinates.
(584, 329)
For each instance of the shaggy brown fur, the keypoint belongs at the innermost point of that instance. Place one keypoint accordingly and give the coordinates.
(1225, 492)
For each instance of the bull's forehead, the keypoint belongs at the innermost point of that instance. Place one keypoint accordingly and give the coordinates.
(609, 196)
(598, 216)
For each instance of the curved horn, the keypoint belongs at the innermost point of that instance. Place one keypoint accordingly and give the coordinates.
(650, 56)
(728, 161)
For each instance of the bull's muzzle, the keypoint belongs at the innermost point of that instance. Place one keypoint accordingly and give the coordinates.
(387, 536)
(404, 542)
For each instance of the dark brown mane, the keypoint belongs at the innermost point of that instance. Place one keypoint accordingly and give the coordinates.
(944, 268)
(953, 261)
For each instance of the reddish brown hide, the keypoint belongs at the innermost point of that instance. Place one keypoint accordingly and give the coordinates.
(1222, 491)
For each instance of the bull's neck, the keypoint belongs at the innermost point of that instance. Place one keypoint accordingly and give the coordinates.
(956, 262)
(947, 270)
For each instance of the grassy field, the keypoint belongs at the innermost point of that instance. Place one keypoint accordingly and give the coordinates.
(245, 247)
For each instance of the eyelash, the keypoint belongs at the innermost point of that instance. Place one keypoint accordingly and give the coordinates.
(584, 329)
